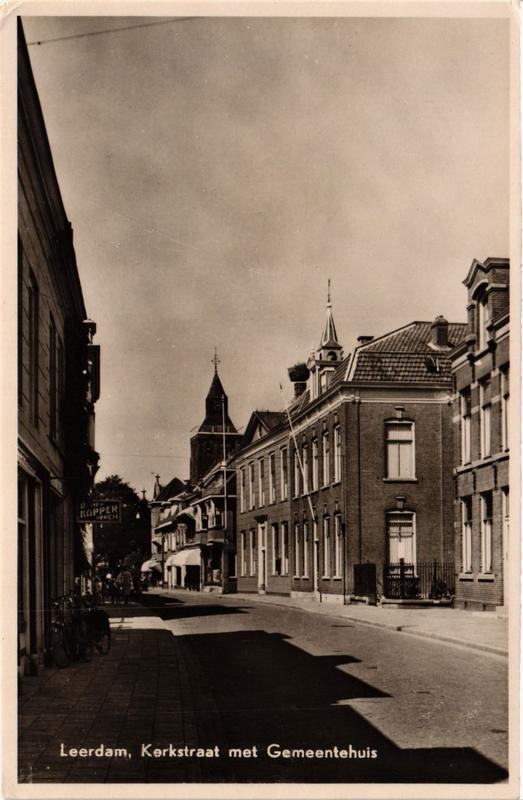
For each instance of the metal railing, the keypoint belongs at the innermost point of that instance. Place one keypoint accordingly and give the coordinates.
(430, 580)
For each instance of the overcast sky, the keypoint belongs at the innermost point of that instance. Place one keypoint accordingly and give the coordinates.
(218, 171)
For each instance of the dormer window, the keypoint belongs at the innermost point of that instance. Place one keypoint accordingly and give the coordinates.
(483, 319)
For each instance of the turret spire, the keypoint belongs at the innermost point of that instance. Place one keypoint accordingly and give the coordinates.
(329, 336)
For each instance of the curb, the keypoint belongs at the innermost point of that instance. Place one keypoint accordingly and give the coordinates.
(421, 634)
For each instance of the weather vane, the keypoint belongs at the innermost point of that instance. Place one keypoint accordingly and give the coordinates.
(216, 360)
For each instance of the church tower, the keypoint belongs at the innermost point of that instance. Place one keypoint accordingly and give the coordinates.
(207, 445)
(323, 361)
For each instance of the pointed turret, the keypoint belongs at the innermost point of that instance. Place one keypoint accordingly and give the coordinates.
(330, 352)
(157, 487)
(329, 336)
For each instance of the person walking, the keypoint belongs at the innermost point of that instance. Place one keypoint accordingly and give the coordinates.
(125, 584)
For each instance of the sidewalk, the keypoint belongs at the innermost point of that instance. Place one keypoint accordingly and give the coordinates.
(479, 630)
(142, 691)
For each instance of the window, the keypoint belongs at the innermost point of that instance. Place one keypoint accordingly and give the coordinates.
(242, 489)
(505, 497)
(272, 477)
(284, 474)
(20, 322)
(400, 450)
(401, 537)
(252, 492)
(337, 453)
(315, 465)
(34, 346)
(338, 546)
(465, 409)
(276, 554)
(53, 382)
(261, 476)
(243, 553)
(252, 560)
(296, 549)
(483, 321)
(505, 395)
(485, 414)
(297, 473)
(466, 534)
(305, 466)
(284, 548)
(326, 548)
(325, 458)
(305, 549)
(486, 532)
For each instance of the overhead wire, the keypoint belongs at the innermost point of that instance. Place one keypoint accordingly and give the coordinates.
(109, 30)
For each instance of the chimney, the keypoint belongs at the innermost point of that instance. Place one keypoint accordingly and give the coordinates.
(365, 339)
(299, 375)
(439, 332)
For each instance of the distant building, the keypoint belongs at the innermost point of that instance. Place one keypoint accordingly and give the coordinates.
(355, 498)
(163, 508)
(193, 524)
(481, 371)
(58, 383)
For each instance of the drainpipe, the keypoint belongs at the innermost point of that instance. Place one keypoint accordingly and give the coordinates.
(360, 541)
(344, 563)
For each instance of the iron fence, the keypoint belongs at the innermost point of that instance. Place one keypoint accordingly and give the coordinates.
(430, 580)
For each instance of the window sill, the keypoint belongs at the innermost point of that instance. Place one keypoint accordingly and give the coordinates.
(400, 480)
(486, 577)
(336, 577)
(325, 577)
(465, 576)
(305, 577)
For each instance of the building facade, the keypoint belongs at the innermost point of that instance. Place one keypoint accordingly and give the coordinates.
(368, 445)
(481, 371)
(263, 507)
(58, 384)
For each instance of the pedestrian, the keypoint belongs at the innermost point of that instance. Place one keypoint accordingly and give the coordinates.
(125, 584)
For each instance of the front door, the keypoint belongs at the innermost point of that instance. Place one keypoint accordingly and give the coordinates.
(402, 540)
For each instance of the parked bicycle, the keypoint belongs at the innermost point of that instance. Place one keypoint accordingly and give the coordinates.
(78, 627)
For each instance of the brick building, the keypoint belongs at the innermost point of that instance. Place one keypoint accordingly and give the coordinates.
(58, 383)
(263, 505)
(480, 368)
(369, 510)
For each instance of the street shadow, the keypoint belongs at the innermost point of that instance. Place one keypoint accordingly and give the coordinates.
(246, 689)
(269, 691)
(168, 608)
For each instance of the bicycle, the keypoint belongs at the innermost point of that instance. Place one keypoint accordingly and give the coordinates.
(59, 635)
(77, 629)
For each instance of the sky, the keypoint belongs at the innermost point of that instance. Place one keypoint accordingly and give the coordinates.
(217, 172)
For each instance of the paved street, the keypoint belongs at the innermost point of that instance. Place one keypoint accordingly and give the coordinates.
(200, 670)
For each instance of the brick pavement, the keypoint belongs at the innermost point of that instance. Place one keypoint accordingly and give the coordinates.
(145, 690)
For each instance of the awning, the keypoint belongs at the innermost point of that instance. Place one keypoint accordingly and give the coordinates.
(184, 558)
(170, 523)
(149, 565)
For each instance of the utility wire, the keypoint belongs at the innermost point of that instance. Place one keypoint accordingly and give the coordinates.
(109, 30)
